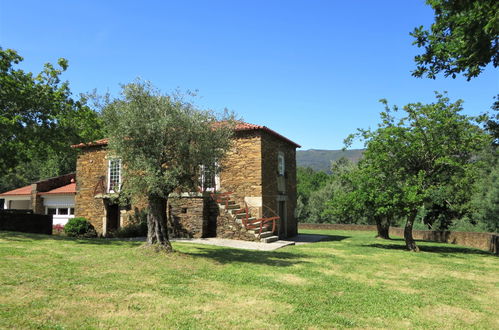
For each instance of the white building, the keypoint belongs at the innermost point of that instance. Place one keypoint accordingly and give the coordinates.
(59, 202)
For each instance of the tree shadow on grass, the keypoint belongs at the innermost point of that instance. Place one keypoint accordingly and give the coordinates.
(230, 255)
(315, 238)
(23, 237)
(434, 248)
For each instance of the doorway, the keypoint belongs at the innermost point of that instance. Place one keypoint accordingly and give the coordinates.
(112, 217)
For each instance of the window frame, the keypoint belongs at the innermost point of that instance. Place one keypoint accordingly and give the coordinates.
(109, 163)
(281, 164)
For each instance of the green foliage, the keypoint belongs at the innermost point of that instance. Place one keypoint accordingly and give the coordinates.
(485, 200)
(38, 122)
(326, 198)
(136, 228)
(463, 38)
(162, 139)
(308, 182)
(426, 159)
(79, 227)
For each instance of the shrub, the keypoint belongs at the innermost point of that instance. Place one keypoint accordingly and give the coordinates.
(136, 228)
(57, 229)
(79, 227)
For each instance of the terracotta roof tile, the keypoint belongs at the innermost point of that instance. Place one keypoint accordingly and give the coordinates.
(241, 126)
(19, 191)
(101, 142)
(67, 189)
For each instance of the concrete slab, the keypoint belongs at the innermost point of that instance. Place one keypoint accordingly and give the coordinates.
(236, 244)
(298, 240)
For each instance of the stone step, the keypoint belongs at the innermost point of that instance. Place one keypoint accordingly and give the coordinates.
(265, 234)
(241, 220)
(240, 215)
(233, 207)
(269, 239)
(257, 230)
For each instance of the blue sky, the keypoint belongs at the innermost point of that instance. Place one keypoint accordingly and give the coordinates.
(311, 70)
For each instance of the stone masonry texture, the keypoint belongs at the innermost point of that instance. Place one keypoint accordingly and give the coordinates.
(248, 170)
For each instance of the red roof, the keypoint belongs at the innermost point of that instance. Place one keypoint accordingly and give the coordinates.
(101, 142)
(67, 189)
(19, 191)
(241, 126)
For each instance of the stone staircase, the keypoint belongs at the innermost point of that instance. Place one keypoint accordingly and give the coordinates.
(240, 216)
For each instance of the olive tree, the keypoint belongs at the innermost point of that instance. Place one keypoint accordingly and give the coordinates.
(162, 140)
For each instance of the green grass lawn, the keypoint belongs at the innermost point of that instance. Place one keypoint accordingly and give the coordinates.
(351, 280)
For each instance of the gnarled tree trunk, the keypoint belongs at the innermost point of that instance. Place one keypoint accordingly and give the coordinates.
(409, 240)
(157, 233)
(383, 226)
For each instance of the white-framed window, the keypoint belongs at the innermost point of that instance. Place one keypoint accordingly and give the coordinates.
(209, 177)
(114, 175)
(54, 210)
(280, 163)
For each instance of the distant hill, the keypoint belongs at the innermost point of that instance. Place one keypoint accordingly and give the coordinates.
(320, 160)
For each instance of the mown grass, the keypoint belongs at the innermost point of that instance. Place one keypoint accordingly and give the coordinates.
(350, 280)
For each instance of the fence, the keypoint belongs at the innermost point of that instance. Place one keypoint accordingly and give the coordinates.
(26, 222)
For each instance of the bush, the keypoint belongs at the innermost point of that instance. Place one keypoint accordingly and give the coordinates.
(136, 228)
(57, 229)
(79, 227)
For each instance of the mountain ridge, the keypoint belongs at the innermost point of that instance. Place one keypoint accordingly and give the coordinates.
(320, 159)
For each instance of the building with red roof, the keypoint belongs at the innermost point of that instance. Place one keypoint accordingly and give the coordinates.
(257, 181)
(55, 196)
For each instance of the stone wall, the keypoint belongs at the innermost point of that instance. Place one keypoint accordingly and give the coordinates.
(188, 217)
(225, 226)
(91, 166)
(242, 168)
(484, 241)
(337, 226)
(271, 146)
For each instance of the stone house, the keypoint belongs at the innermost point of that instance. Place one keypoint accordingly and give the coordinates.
(257, 180)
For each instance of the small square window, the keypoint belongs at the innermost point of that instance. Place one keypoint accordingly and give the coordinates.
(63, 211)
(184, 210)
(72, 211)
(51, 211)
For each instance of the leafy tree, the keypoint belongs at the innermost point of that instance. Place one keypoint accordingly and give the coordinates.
(162, 140)
(485, 200)
(427, 153)
(463, 39)
(364, 197)
(38, 122)
(308, 182)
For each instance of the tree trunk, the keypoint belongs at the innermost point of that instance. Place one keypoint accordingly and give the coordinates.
(156, 224)
(383, 226)
(409, 240)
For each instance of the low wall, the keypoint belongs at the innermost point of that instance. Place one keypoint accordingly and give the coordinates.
(483, 241)
(26, 222)
(336, 226)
